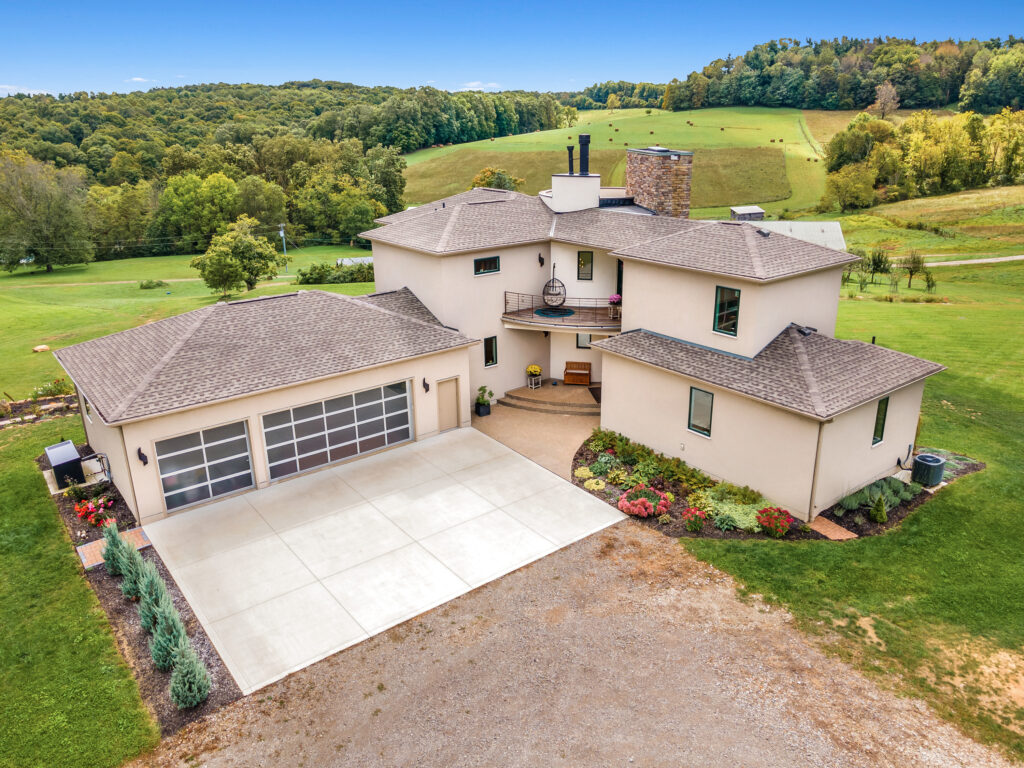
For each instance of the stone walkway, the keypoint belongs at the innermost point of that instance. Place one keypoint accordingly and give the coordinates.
(830, 530)
(91, 554)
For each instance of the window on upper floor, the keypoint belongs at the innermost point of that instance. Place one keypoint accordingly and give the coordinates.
(701, 405)
(727, 310)
(490, 351)
(880, 414)
(584, 265)
(582, 341)
(486, 265)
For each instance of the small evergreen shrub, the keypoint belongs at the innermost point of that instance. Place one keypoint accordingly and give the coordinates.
(894, 483)
(601, 440)
(131, 572)
(168, 634)
(700, 500)
(850, 503)
(904, 493)
(326, 274)
(150, 284)
(190, 682)
(152, 590)
(878, 513)
(114, 551)
(604, 464)
(914, 488)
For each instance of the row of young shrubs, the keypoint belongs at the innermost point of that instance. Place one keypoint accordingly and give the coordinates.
(325, 274)
(169, 645)
(878, 499)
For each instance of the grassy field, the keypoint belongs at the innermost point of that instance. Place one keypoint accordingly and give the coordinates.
(824, 124)
(933, 607)
(67, 698)
(735, 159)
(77, 303)
(973, 224)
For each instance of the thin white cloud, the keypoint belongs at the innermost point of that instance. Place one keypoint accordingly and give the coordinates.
(478, 85)
(139, 80)
(10, 90)
(431, 81)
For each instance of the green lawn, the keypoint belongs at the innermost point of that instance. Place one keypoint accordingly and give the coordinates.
(943, 591)
(66, 697)
(726, 172)
(52, 309)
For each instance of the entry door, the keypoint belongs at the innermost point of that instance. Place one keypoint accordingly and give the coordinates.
(447, 404)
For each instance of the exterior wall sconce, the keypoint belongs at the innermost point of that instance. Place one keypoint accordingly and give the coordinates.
(540, 259)
(142, 457)
(426, 387)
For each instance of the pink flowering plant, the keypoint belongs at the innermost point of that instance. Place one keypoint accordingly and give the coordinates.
(95, 511)
(641, 501)
(615, 299)
(694, 519)
(774, 521)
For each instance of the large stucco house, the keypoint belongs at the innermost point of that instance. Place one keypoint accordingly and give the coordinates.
(721, 352)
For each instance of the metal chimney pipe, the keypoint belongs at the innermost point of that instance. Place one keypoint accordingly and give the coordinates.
(584, 154)
(570, 148)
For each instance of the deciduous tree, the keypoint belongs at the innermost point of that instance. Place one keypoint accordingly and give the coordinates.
(887, 100)
(497, 178)
(238, 257)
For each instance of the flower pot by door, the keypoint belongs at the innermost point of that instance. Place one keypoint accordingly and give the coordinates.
(483, 409)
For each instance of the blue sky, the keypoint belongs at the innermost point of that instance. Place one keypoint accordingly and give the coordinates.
(64, 47)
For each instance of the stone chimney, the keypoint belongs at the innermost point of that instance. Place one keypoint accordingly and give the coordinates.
(659, 179)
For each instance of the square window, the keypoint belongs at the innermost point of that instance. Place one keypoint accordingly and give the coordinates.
(727, 310)
(490, 351)
(880, 414)
(584, 265)
(701, 405)
(486, 265)
(582, 341)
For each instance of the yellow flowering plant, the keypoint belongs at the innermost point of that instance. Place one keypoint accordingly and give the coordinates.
(533, 370)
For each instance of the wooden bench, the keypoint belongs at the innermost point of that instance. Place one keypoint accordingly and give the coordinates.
(576, 373)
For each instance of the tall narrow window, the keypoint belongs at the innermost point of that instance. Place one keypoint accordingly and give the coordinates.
(701, 405)
(485, 265)
(727, 310)
(582, 341)
(880, 414)
(490, 351)
(585, 265)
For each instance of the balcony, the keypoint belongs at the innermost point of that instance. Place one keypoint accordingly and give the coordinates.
(530, 309)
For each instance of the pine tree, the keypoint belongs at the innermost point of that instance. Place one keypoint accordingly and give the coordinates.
(168, 634)
(131, 572)
(114, 551)
(151, 591)
(878, 513)
(190, 682)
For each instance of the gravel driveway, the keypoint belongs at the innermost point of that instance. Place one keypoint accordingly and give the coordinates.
(618, 650)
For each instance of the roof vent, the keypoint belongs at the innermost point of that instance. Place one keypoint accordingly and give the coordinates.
(806, 330)
(764, 232)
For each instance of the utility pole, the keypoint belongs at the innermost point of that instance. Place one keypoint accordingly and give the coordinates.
(284, 244)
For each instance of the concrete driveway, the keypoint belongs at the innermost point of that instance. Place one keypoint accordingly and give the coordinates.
(287, 575)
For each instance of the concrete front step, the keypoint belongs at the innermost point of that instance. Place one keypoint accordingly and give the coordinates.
(534, 400)
(564, 409)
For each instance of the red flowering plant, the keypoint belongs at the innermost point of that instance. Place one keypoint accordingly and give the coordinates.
(641, 501)
(694, 519)
(95, 511)
(774, 521)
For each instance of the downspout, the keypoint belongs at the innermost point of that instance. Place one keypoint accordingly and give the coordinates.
(814, 473)
(131, 475)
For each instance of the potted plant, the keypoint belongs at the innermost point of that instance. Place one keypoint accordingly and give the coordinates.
(533, 376)
(614, 305)
(483, 401)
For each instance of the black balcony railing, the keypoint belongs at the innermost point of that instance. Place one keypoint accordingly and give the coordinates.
(584, 313)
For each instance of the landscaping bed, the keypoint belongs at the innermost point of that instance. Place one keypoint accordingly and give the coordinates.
(133, 642)
(674, 488)
(123, 614)
(14, 412)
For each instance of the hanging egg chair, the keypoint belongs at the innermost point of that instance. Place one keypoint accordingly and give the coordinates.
(554, 291)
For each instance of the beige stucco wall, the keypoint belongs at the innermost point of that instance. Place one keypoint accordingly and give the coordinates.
(563, 348)
(106, 439)
(434, 368)
(564, 257)
(573, 193)
(681, 304)
(849, 461)
(751, 443)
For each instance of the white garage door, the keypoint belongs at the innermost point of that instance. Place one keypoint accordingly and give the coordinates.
(332, 430)
(202, 465)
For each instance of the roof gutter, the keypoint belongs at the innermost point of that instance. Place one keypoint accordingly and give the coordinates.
(748, 278)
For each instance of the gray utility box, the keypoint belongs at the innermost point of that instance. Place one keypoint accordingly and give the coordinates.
(928, 469)
(66, 463)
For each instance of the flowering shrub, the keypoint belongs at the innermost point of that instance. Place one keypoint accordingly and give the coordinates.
(642, 501)
(533, 370)
(594, 484)
(774, 521)
(54, 388)
(617, 476)
(95, 512)
(694, 519)
(615, 299)
(583, 473)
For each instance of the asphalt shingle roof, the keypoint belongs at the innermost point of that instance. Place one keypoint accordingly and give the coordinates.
(240, 348)
(485, 219)
(404, 302)
(813, 374)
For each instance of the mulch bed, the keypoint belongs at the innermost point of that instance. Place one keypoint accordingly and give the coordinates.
(858, 522)
(676, 528)
(24, 411)
(132, 639)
